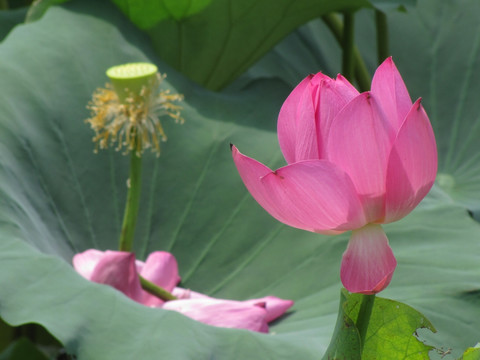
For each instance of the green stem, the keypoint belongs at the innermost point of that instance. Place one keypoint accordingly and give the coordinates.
(133, 201)
(382, 36)
(361, 74)
(156, 290)
(348, 61)
(363, 318)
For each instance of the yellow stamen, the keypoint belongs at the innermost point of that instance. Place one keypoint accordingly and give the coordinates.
(129, 118)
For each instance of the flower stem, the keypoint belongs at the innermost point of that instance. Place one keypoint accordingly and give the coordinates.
(348, 61)
(133, 201)
(156, 290)
(361, 74)
(382, 36)
(363, 318)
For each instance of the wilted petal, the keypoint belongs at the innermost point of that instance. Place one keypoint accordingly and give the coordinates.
(274, 306)
(368, 263)
(312, 195)
(182, 293)
(84, 263)
(222, 313)
(412, 165)
(117, 269)
(296, 125)
(160, 268)
(392, 94)
(359, 143)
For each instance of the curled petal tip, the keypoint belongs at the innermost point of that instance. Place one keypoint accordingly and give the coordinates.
(234, 150)
(274, 306)
(418, 103)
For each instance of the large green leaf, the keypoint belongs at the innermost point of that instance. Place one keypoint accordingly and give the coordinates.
(9, 19)
(147, 13)
(216, 45)
(472, 353)
(59, 198)
(39, 7)
(390, 332)
(22, 349)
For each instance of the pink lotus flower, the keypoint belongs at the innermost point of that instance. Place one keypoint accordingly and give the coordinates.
(355, 161)
(120, 270)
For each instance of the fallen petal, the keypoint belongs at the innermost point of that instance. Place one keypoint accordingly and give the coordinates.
(85, 262)
(274, 306)
(368, 263)
(117, 269)
(182, 293)
(222, 313)
(161, 268)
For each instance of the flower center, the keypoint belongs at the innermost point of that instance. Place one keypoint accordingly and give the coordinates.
(126, 113)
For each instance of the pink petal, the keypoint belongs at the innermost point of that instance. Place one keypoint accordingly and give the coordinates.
(306, 115)
(222, 313)
(345, 89)
(139, 264)
(412, 165)
(296, 125)
(313, 195)
(84, 263)
(274, 306)
(251, 171)
(306, 139)
(368, 263)
(359, 143)
(332, 97)
(160, 268)
(181, 293)
(390, 91)
(117, 269)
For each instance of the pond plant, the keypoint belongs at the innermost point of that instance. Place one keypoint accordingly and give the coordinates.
(132, 227)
